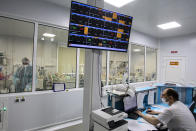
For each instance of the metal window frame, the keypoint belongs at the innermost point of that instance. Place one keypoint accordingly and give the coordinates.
(130, 61)
(35, 39)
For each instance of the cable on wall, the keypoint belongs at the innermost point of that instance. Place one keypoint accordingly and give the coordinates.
(99, 77)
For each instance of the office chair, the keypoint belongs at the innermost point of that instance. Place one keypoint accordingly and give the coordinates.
(192, 106)
(161, 127)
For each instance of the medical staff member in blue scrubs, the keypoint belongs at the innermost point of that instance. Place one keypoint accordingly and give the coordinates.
(177, 117)
(22, 78)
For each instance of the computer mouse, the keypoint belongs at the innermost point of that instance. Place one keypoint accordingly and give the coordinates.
(148, 111)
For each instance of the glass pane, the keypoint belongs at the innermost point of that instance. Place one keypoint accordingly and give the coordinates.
(137, 64)
(81, 68)
(118, 68)
(151, 64)
(16, 49)
(55, 62)
(67, 66)
(104, 68)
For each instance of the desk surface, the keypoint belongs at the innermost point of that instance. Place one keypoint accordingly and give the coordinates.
(121, 93)
(142, 125)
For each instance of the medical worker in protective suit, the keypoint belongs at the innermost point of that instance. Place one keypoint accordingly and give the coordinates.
(23, 76)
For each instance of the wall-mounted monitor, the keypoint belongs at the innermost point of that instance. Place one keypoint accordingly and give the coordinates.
(97, 28)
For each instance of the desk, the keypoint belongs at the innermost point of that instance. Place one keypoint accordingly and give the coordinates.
(142, 125)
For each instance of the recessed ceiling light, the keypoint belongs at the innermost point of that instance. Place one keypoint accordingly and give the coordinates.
(136, 50)
(118, 3)
(49, 35)
(169, 25)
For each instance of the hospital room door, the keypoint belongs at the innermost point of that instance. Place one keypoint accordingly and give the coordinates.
(174, 69)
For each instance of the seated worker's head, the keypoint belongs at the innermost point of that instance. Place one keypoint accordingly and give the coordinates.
(169, 96)
(25, 61)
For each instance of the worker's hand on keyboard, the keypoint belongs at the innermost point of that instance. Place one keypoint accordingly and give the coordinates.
(138, 112)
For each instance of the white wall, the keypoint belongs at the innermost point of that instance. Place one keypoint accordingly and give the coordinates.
(43, 109)
(143, 39)
(186, 46)
(36, 10)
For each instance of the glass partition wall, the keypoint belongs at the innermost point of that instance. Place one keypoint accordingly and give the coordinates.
(151, 64)
(55, 63)
(118, 67)
(137, 63)
(16, 53)
(82, 64)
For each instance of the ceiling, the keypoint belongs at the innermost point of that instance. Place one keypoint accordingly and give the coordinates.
(150, 13)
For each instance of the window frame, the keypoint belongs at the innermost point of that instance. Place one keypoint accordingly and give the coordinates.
(77, 54)
(156, 49)
(129, 63)
(34, 32)
(34, 53)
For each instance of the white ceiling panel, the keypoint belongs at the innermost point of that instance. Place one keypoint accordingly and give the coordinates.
(150, 13)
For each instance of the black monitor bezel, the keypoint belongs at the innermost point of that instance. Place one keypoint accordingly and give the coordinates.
(68, 45)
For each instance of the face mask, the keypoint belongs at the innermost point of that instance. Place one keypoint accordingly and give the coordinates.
(164, 101)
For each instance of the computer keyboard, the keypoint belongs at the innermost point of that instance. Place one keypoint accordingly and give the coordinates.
(133, 115)
(143, 109)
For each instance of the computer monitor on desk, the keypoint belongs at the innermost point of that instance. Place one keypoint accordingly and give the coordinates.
(130, 106)
(130, 103)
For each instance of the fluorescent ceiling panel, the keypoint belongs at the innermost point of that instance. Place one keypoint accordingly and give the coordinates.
(49, 35)
(169, 25)
(136, 50)
(118, 3)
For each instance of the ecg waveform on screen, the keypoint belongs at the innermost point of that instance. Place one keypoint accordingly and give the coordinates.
(96, 28)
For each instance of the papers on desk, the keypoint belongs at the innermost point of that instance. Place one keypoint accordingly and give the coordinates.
(140, 99)
(151, 97)
(119, 93)
(139, 125)
(141, 120)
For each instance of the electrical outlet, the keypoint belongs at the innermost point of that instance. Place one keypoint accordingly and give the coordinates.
(22, 99)
(17, 99)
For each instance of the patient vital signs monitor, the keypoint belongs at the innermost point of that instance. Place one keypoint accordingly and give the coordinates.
(97, 28)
